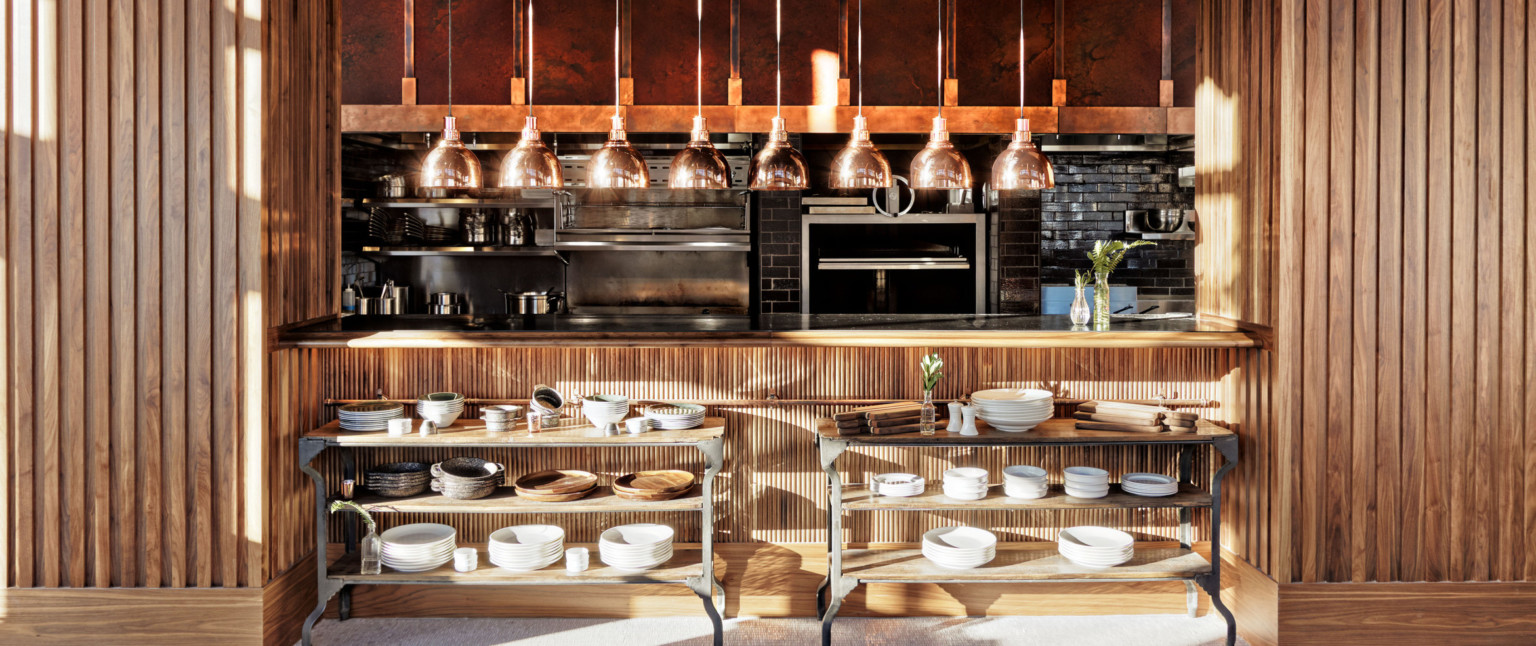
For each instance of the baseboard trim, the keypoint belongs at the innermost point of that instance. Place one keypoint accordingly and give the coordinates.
(131, 616)
(1408, 613)
(1253, 598)
(286, 601)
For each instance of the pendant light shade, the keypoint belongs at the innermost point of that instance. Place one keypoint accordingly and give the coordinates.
(860, 164)
(450, 165)
(1022, 165)
(779, 167)
(939, 165)
(700, 165)
(618, 164)
(531, 164)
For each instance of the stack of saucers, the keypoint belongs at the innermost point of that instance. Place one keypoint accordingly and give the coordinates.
(1086, 482)
(524, 548)
(671, 416)
(369, 416)
(1023, 481)
(965, 483)
(898, 485)
(1095, 547)
(636, 547)
(418, 547)
(442, 408)
(1013, 410)
(1149, 484)
(960, 548)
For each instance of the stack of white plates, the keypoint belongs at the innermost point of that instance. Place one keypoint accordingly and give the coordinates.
(899, 485)
(671, 416)
(1086, 482)
(418, 547)
(960, 548)
(1013, 410)
(369, 416)
(636, 547)
(524, 548)
(1096, 546)
(1024, 482)
(966, 483)
(1149, 484)
(442, 408)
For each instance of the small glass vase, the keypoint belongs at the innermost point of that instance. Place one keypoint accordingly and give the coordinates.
(1101, 301)
(369, 550)
(930, 414)
(1080, 310)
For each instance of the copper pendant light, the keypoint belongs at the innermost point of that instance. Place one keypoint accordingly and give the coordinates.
(450, 165)
(860, 164)
(939, 165)
(531, 164)
(779, 167)
(618, 164)
(1022, 166)
(700, 165)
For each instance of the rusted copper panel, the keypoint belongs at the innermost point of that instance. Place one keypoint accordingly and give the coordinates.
(726, 118)
(987, 46)
(372, 51)
(1096, 120)
(573, 52)
(901, 42)
(809, 25)
(664, 48)
(1186, 18)
(1113, 51)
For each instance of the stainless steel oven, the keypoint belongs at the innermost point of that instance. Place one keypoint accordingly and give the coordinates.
(917, 263)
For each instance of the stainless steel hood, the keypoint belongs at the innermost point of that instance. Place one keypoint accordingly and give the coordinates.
(1052, 143)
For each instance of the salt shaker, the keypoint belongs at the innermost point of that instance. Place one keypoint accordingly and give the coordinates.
(969, 412)
(954, 418)
(428, 428)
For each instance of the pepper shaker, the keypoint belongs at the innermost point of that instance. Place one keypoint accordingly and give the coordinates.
(428, 428)
(955, 423)
(969, 412)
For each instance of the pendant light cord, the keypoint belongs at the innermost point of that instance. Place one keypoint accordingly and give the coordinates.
(615, 58)
(778, 58)
(450, 58)
(699, 62)
(1021, 59)
(941, 58)
(861, 58)
(530, 58)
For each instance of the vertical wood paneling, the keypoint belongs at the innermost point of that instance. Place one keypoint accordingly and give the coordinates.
(1391, 270)
(98, 295)
(19, 176)
(72, 284)
(1511, 429)
(45, 295)
(1412, 498)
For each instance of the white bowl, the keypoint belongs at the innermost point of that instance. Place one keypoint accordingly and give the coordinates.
(1020, 395)
(966, 474)
(518, 536)
(962, 539)
(638, 535)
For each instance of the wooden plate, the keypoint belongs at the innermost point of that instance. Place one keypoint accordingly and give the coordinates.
(650, 496)
(553, 497)
(647, 482)
(555, 482)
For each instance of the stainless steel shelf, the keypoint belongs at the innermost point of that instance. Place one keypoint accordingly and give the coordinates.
(406, 252)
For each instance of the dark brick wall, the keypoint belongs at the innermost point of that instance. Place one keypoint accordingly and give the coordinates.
(1013, 254)
(778, 251)
(1092, 193)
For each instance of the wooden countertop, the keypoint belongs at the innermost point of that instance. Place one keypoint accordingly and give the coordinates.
(959, 330)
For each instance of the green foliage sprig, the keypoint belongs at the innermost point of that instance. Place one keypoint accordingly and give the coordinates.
(931, 366)
(1107, 254)
(339, 505)
(1081, 278)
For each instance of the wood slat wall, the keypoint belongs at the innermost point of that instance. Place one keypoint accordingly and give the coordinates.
(1373, 157)
(773, 489)
(144, 140)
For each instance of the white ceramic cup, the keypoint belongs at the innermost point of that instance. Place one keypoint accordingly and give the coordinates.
(638, 424)
(400, 427)
(466, 559)
(577, 559)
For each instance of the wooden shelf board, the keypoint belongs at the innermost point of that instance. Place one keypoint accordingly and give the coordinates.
(471, 432)
(1052, 431)
(685, 563)
(1023, 562)
(506, 501)
(933, 499)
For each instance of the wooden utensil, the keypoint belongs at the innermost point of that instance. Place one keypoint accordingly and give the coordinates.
(646, 482)
(555, 481)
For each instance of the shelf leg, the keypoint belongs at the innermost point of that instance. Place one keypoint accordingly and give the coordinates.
(344, 603)
(1228, 447)
(710, 592)
(1192, 598)
(349, 472)
(830, 450)
(839, 589)
(821, 598)
(326, 588)
(708, 587)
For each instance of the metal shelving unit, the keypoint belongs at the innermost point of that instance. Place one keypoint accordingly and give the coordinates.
(692, 567)
(1027, 562)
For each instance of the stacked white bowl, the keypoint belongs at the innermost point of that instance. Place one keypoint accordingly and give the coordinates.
(960, 548)
(418, 547)
(368, 416)
(1022, 481)
(641, 546)
(1086, 482)
(605, 411)
(1013, 410)
(966, 483)
(1148, 484)
(524, 548)
(671, 416)
(898, 485)
(1095, 547)
(442, 408)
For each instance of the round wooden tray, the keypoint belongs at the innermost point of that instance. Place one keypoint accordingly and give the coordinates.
(651, 496)
(650, 482)
(553, 497)
(555, 481)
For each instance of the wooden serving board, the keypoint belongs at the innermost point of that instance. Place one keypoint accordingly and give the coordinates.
(650, 496)
(555, 481)
(553, 497)
(647, 482)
